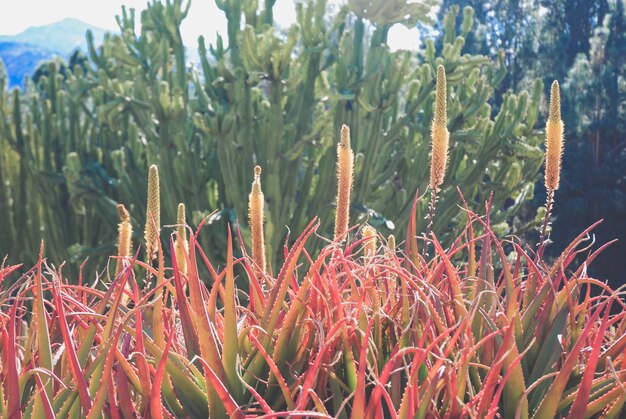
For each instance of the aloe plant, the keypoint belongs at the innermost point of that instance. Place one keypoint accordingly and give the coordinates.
(361, 331)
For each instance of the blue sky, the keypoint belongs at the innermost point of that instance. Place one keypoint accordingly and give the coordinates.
(204, 17)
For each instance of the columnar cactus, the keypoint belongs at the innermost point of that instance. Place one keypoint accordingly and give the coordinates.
(273, 97)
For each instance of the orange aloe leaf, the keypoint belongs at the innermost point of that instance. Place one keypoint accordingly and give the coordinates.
(14, 410)
(411, 235)
(260, 400)
(109, 351)
(296, 414)
(207, 338)
(275, 304)
(156, 405)
(549, 404)
(313, 371)
(123, 388)
(189, 331)
(279, 291)
(577, 410)
(232, 410)
(231, 344)
(281, 381)
(453, 279)
(77, 373)
(47, 406)
(358, 406)
(43, 335)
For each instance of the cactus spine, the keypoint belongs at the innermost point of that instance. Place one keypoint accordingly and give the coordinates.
(256, 214)
(345, 168)
(554, 154)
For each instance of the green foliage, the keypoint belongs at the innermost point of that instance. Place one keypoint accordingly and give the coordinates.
(595, 92)
(581, 43)
(76, 145)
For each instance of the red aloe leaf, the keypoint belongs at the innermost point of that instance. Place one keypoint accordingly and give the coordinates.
(260, 400)
(47, 406)
(549, 404)
(312, 372)
(411, 234)
(453, 279)
(8, 270)
(14, 409)
(140, 354)
(281, 381)
(358, 406)
(75, 369)
(491, 380)
(189, 330)
(206, 332)
(275, 300)
(582, 397)
(101, 394)
(279, 291)
(40, 319)
(231, 344)
(123, 388)
(296, 414)
(229, 404)
(114, 409)
(156, 405)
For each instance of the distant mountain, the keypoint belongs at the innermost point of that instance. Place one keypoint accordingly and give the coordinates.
(61, 37)
(22, 53)
(22, 59)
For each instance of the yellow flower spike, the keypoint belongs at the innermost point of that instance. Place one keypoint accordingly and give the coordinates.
(554, 140)
(256, 215)
(345, 168)
(554, 154)
(124, 245)
(439, 133)
(124, 237)
(439, 159)
(369, 233)
(181, 245)
(153, 214)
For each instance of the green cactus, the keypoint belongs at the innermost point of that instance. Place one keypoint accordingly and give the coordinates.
(77, 142)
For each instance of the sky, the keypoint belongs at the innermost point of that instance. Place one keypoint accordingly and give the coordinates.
(204, 17)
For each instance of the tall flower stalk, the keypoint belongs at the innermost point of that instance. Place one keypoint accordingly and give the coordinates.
(181, 245)
(440, 138)
(554, 154)
(153, 214)
(256, 214)
(345, 169)
(124, 238)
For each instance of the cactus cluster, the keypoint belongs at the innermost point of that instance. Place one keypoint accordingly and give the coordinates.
(73, 145)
